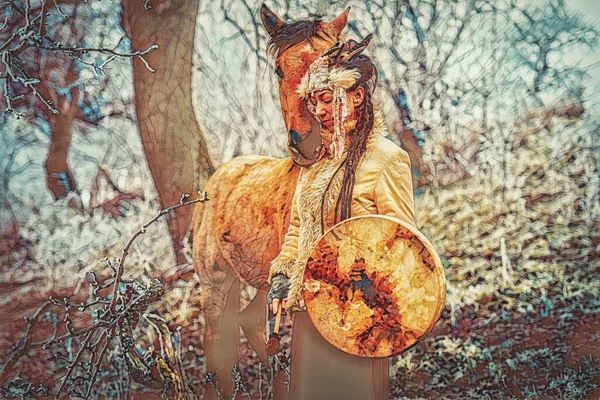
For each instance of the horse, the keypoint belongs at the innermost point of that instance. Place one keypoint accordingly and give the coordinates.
(241, 229)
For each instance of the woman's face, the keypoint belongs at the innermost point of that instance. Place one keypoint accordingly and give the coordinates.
(322, 100)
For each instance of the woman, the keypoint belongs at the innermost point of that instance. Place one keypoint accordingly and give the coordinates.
(359, 172)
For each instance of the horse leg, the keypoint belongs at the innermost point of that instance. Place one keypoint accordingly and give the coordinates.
(221, 342)
(220, 308)
(219, 298)
(252, 321)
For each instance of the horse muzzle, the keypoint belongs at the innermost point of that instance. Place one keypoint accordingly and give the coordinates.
(306, 151)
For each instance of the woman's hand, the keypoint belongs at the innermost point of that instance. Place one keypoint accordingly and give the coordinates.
(280, 285)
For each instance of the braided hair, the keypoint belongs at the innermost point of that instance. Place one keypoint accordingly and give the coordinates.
(358, 142)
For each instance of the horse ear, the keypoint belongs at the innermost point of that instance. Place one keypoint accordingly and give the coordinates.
(339, 23)
(270, 20)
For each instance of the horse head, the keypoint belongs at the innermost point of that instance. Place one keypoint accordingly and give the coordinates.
(294, 46)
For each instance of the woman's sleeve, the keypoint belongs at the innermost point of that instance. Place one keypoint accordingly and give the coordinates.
(394, 190)
(284, 262)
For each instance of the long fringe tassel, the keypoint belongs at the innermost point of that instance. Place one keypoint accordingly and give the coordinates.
(340, 112)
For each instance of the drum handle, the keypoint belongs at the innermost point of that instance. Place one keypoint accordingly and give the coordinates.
(278, 318)
(273, 343)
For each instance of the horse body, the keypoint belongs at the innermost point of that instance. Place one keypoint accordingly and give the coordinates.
(241, 229)
(246, 218)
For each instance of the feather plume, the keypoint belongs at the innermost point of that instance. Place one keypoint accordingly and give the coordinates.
(343, 78)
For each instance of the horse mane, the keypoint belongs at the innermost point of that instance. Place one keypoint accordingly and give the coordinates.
(291, 34)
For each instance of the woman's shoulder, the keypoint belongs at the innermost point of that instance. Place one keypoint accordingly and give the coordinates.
(383, 150)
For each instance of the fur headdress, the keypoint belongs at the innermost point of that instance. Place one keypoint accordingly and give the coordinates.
(337, 69)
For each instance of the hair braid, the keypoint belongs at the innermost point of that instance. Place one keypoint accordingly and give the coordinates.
(356, 149)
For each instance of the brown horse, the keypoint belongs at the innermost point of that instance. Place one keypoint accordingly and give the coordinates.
(241, 229)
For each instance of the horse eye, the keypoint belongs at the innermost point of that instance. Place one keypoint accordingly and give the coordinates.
(279, 72)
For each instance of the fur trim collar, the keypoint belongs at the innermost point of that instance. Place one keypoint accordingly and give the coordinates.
(309, 196)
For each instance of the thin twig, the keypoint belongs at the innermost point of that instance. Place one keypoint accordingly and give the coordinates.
(33, 35)
(115, 316)
(23, 346)
(74, 363)
(141, 231)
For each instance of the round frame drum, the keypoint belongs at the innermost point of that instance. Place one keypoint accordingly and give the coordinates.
(373, 286)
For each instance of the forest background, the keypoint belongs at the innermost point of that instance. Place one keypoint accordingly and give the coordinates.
(496, 102)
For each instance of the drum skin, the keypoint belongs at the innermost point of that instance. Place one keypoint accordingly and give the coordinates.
(374, 286)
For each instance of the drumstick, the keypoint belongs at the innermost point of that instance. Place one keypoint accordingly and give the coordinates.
(273, 343)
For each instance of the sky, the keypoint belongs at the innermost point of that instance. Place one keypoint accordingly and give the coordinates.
(591, 10)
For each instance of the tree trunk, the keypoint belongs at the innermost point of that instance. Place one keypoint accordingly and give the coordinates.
(59, 178)
(411, 145)
(409, 141)
(173, 144)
